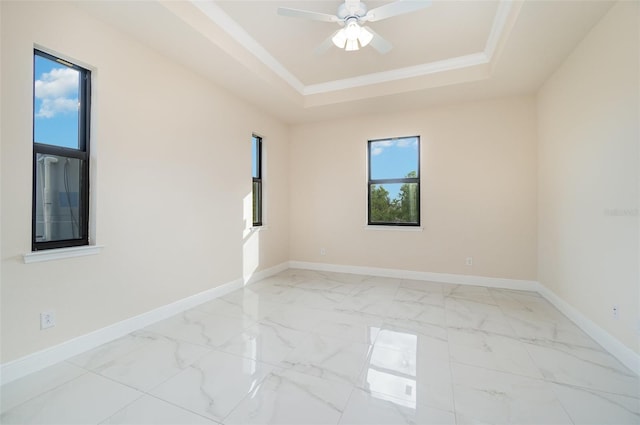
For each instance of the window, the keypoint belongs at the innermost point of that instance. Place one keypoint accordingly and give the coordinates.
(256, 159)
(61, 112)
(394, 182)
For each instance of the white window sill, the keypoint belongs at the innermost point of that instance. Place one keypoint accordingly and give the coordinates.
(395, 228)
(61, 253)
(258, 228)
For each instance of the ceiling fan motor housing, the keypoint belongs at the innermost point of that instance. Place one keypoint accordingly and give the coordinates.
(349, 9)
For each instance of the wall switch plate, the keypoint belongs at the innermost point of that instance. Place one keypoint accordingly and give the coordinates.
(468, 261)
(323, 251)
(47, 319)
(615, 312)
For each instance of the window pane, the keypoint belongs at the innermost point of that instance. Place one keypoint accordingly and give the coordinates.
(394, 159)
(58, 198)
(55, 113)
(394, 203)
(257, 197)
(255, 157)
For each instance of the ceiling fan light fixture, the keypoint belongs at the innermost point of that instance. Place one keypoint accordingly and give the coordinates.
(352, 37)
(352, 45)
(365, 37)
(352, 29)
(340, 39)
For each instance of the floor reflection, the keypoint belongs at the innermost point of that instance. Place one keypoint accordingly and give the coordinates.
(391, 372)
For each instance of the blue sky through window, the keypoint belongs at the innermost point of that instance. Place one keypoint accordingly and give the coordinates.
(393, 159)
(255, 143)
(55, 89)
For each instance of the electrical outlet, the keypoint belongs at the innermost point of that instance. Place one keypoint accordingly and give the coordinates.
(615, 312)
(47, 319)
(468, 261)
(323, 251)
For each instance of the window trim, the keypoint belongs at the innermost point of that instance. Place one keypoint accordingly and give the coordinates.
(258, 180)
(82, 153)
(371, 181)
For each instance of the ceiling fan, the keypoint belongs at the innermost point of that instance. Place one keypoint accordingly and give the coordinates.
(351, 14)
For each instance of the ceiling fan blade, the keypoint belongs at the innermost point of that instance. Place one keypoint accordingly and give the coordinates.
(379, 43)
(306, 14)
(394, 9)
(325, 45)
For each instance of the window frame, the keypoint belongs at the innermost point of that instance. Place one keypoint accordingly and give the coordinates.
(371, 182)
(257, 221)
(81, 153)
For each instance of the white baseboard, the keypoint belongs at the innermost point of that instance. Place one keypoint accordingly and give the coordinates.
(623, 353)
(458, 279)
(34, 362)
(620, 351)
(262, 274)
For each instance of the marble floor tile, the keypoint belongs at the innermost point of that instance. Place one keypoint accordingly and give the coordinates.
(377, 289)
(583, 367)
(468, 314)
(248, 308)
(265, 342)
(428, 339)
(414, 376)
(293, 317)
(375, 408)
(197, 327)
(478, 294)
(108, 352)
(486, 396)
(419, 296)
(23, 389)
(329, 358)
(390, 283)
(519, 300)
(492, 351)
(88, 399)
(349, 326)
(598, 408)
(417, 312)
(290, 397)
(322, 300)
(327, 283)
(213, 385)
(149, 410)
(365, 306)
(152, 364)
(423, 285)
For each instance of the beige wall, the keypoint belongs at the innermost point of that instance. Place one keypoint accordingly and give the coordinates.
(171, 178)
(478, 191)
(588, 165)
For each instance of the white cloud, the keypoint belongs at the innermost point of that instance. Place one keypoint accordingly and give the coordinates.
(57, 91)
(400, 143)
(50, 107)
(60, 82)
(406, 143)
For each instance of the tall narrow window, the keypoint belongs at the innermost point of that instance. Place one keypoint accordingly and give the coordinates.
(394, 182)
(256, 156)
(61, 113)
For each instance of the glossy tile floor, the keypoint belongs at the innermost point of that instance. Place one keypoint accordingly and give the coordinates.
(307, 347)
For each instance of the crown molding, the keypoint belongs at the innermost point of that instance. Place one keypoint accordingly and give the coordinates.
(495, 39)
(231, 27)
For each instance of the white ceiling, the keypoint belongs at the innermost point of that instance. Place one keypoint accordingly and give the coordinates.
(449, 52)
